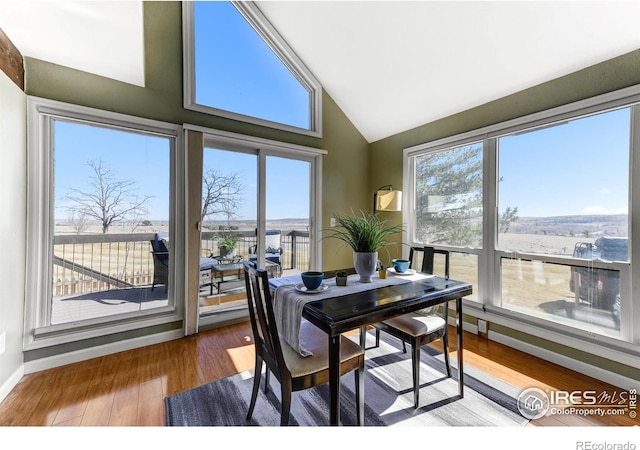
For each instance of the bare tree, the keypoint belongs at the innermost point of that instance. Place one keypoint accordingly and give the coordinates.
(79, 222)
(108, 200)
(221, 194)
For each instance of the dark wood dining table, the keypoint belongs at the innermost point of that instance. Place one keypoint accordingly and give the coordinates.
(336, 315)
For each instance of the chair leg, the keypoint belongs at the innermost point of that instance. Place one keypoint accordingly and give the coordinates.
(415, 363)
(266, 380)
(285, 396)
(404, 347)
(445, 343)
(256, 386)
(377, 337)
(359, 375)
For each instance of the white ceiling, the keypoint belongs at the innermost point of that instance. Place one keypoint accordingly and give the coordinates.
(389, 65)
(101, 37)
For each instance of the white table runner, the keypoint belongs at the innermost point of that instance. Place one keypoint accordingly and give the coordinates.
(289, 302)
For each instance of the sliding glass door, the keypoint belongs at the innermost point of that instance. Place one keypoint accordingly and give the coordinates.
(287, 213)
(228, 230)
(256, 205)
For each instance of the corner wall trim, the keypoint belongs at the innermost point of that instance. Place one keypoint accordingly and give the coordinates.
(11, 382)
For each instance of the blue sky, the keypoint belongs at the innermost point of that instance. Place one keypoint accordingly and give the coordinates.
(131, 156)
(145, 160)
(237, 71)
(287, 183)
(570, 169)
(581, 167)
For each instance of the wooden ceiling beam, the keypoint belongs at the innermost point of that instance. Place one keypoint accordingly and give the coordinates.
(11, 61)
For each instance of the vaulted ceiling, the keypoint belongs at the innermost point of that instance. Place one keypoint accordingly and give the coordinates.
(389, 65)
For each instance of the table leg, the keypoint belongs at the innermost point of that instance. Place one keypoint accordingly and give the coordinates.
(460, 346)
(363, 337)
(334, 380)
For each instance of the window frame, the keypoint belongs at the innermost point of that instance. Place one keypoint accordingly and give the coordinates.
(38, 333)
(278, 45)
(488, 305)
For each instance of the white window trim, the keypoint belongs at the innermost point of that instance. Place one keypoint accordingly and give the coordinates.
(40, 114)
(278, 45)
(488, 276)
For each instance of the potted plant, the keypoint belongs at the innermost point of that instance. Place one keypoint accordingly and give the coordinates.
(365, 234)
(227, 245)
(341, 278)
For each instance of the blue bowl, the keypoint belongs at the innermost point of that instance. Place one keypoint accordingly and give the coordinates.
(312, 280)
(400, 265)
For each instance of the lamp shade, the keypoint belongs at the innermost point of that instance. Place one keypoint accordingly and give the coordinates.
(388, 200)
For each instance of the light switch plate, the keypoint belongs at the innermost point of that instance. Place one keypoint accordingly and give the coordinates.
(482, 326)
(3, 338)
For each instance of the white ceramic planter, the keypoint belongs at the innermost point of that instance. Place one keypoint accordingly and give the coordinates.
(365, 265)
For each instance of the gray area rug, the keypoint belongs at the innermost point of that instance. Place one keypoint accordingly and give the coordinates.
(388, 397)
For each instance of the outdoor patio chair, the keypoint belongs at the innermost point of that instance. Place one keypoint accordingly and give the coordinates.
(293, 371)
(420, 327)
(273, 248)
(160, 251)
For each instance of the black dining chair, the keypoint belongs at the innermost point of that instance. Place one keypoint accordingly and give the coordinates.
(293, 371)
(160, 253)
(420, 327)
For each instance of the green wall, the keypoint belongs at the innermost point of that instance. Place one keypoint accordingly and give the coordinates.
(345, 167)
(617, 73)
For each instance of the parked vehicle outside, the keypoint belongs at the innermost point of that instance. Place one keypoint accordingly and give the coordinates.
(599, 287)
(616, 311)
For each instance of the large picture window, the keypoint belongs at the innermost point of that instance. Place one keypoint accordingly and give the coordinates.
(238, 66)
(542, 206)
(100, 202)
(570, 186)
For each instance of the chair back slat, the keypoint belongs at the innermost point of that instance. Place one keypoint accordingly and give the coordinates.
(261, 312)
(423, 259)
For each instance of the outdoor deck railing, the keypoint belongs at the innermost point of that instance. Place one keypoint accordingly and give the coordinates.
(85, 263)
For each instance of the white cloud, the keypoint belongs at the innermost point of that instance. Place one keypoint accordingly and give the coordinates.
(604, 191)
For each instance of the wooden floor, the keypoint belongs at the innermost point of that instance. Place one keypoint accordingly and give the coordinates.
(128, 388)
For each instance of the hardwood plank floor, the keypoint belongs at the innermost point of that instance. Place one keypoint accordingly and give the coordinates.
(128, 388)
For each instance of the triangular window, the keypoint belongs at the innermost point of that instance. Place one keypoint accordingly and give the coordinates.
(238, 66)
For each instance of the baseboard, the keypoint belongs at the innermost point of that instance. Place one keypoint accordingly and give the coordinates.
(565, 361)
(103, 350)
(466, 326)
(11, 382)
